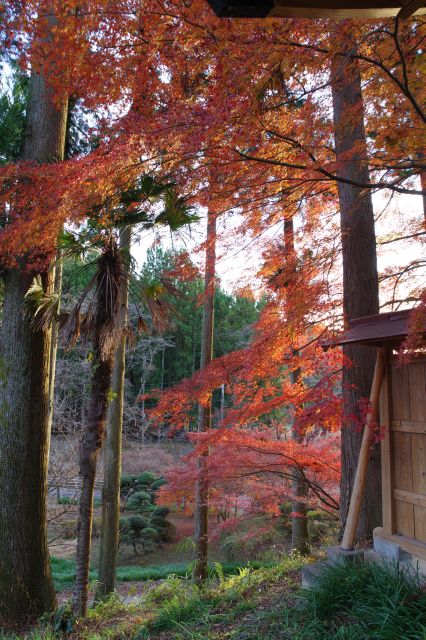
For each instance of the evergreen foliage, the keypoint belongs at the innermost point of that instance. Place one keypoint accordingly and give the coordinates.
(13, 103)
(147, 525)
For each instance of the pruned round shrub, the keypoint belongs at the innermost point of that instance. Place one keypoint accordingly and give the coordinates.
(140, 501)
(161, 512)
(137, 523)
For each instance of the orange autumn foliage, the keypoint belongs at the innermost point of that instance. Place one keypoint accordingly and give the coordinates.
(187, 96)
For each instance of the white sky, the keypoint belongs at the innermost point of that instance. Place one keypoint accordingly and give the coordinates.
(238, 265)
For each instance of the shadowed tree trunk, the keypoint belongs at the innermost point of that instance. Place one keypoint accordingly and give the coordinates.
(57, 289)
(299, 509)
(108, 285)
(422, 158)
(360, 280)
(25, 577)
(205, 412)
(112, 468)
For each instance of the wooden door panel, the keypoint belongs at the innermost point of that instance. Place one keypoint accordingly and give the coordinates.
(417, 390)
(419, 463)
(420, 523)
(404, 519)
(403, 461)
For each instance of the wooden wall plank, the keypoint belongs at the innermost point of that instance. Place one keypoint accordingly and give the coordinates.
(420, 524)
(387, 454)
(417, 391)
(405, 391)
(396, 374)
(404, 519)
(403, 461)
(419, 463)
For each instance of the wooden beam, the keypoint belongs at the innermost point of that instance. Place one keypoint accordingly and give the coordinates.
(334, 10)
(387, 448)
(418, 499)
(410, 8)
(406, 426)
(358, 489)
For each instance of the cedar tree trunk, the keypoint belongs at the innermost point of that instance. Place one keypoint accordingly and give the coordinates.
(360, 280)
(25, 578)
(205, 412)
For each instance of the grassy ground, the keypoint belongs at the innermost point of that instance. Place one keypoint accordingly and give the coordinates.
(351, 603)
(64, 571)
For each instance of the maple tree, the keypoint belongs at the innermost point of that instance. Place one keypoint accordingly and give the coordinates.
(174, 105)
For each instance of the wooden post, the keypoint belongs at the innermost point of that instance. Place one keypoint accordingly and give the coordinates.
(361, 472)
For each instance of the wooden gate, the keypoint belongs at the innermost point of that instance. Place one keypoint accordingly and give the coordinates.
(404, 449)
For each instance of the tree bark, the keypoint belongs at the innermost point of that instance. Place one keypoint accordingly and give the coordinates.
(25, 578)
(299, 509)
(93, 436)
(360, 279)
(108, 551)
(57, 288)
(422, 158)
(205, 412)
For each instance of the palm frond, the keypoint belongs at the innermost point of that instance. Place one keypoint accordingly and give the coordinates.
(41, 306)
(79, 246)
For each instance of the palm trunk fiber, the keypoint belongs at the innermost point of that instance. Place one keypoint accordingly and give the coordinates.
(26, 587)
(108, 551)
(205, 413)
(360, 279)
(103, 361)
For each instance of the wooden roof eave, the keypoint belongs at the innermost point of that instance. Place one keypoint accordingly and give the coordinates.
(378, 330)
(333, 9)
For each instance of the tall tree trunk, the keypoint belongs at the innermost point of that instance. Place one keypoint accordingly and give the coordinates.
(108, 551)
(25, 578)
(92, 440)
(57, 288)
(360, 280)
(299, 509)
(422, 157)
(205, 412)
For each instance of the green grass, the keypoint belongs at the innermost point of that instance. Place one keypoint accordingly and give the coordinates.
(64, 571)
(365, 602)
(350, 603)
(74, 500)
(186, 611)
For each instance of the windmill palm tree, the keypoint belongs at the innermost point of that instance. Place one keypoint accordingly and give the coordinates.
(101, 313)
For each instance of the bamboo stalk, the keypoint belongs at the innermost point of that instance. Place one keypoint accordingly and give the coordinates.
(364, 454)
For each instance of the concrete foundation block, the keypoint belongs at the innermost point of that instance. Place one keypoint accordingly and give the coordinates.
(337, 555)
(388, 549)
(415, 567)
(371, 556)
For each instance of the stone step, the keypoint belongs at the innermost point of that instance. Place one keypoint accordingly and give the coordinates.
(311, 573)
